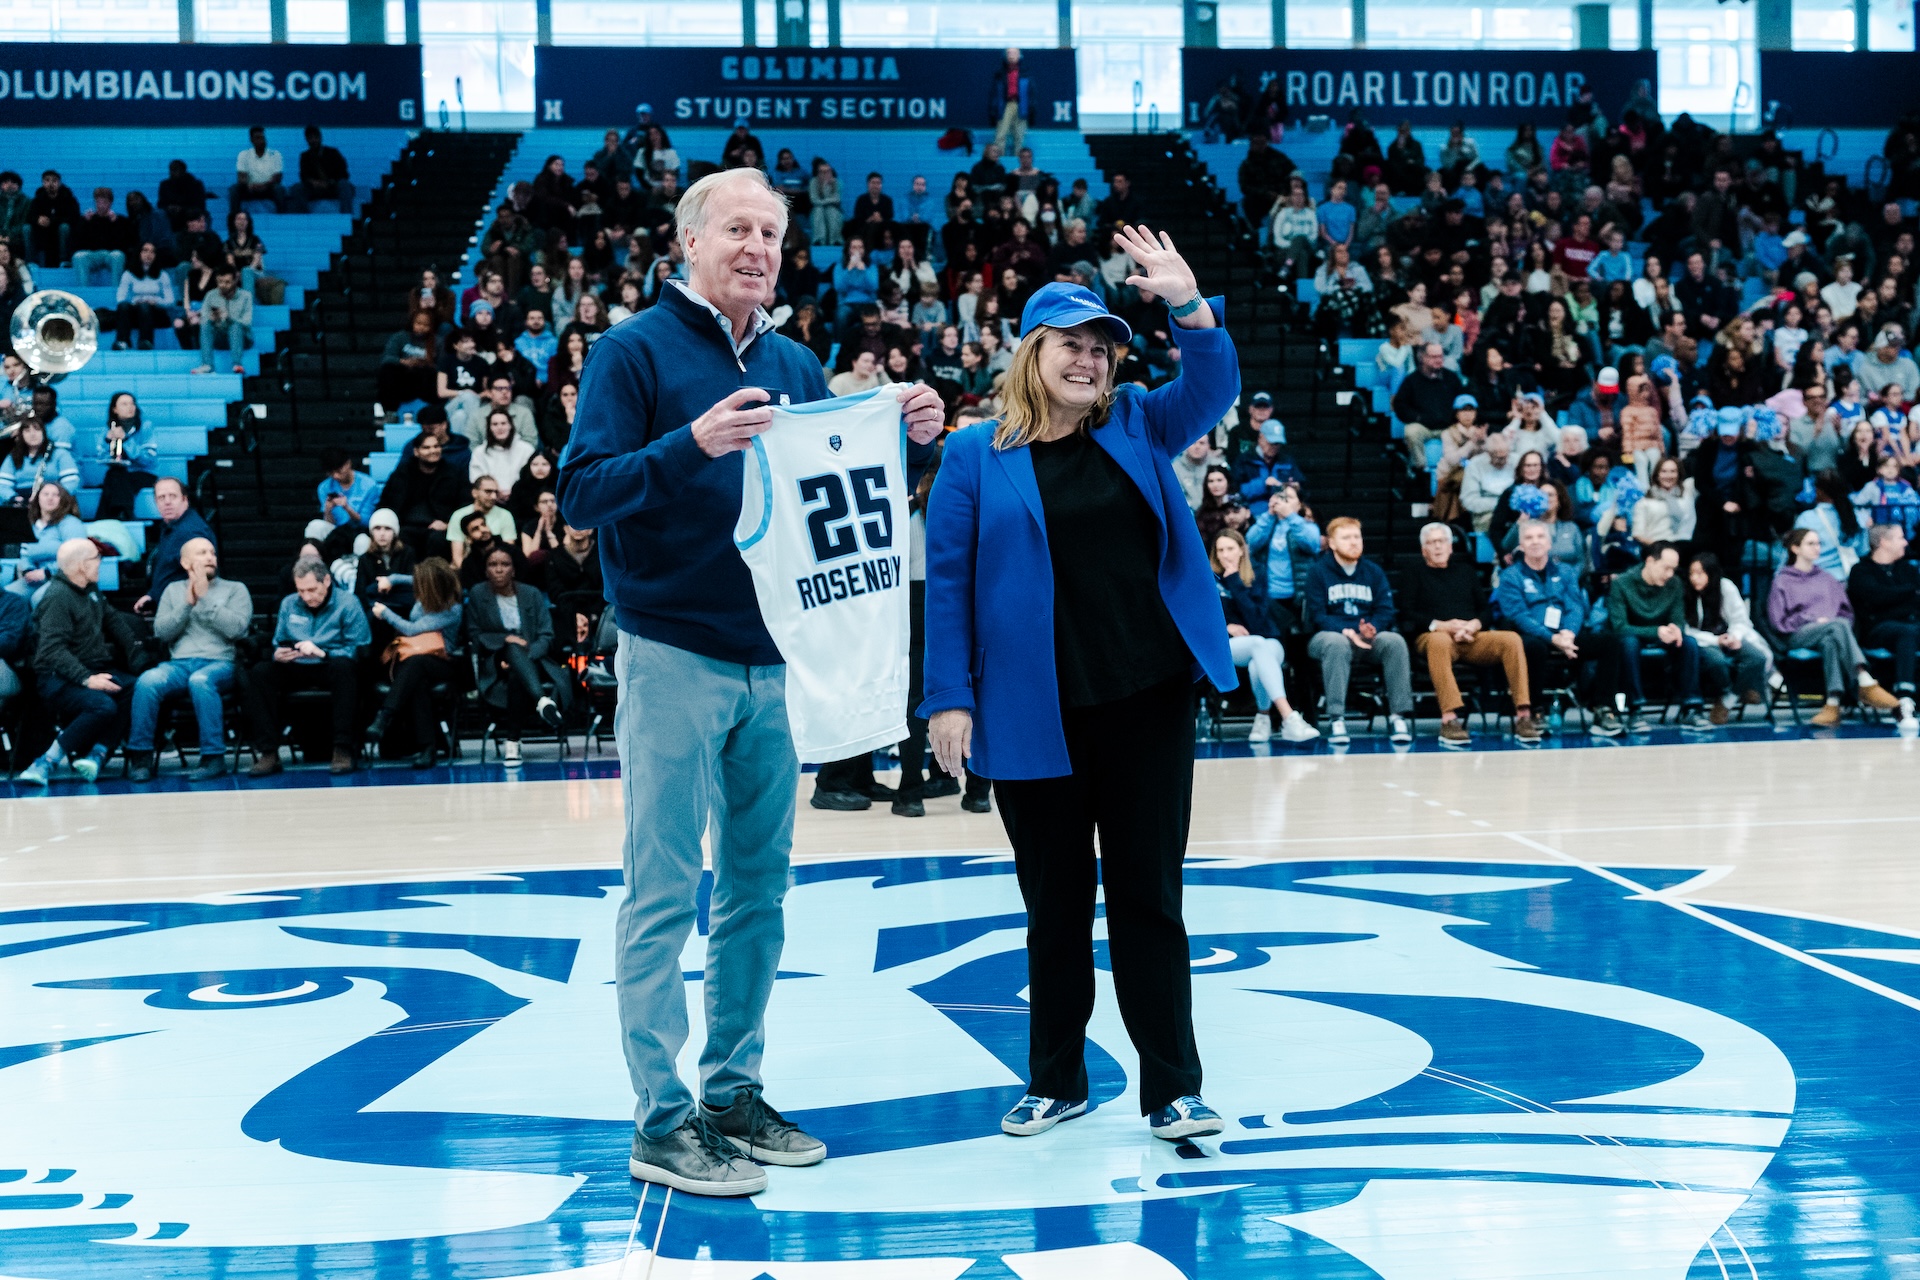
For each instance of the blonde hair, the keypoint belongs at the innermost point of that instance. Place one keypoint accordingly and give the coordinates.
(1023, 397)
(1246, 557)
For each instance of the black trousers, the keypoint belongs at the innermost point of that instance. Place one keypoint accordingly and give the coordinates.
(118, 489)
(520, 677)
(94, 718)
(1602, 648)
(269, 682)
(412, 692)
(1901, 638)
(1132, 782)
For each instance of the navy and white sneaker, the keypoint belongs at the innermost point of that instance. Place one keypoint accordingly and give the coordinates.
(1185, 1118)
(1033, 1115)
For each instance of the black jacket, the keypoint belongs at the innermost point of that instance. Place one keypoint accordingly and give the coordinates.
(1883, 593)
(80, 633)
(1429, 401)
(410, 492)
(1428, 594)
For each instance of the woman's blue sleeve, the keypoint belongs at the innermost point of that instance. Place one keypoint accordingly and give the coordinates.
(1207, 386)
(953, 537)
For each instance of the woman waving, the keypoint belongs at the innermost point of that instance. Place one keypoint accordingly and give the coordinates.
(1070, 609)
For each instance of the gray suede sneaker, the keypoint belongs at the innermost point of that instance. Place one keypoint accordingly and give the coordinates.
(764, 1134)
(697, 1159)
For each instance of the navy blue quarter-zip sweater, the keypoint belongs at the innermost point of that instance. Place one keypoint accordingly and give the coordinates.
(665, 511)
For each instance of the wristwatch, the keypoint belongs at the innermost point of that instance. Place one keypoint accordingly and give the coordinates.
(1186, 308)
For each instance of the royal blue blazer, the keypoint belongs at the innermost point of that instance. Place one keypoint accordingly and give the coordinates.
(990, 580)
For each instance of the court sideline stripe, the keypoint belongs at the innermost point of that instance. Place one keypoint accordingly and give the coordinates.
(1739, 931)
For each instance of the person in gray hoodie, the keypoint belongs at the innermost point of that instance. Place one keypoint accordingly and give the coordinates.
(199, 618)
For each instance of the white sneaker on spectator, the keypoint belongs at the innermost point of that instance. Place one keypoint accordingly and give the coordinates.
(1262, 728)
(510, 753)
(1398, 729)
(1909, 724)
(1296, 729)
(205, 368)
(1337, 733)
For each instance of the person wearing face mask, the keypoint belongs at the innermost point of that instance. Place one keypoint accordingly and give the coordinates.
(1070, 608)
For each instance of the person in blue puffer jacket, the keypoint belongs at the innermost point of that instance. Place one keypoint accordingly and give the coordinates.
(1255, 640)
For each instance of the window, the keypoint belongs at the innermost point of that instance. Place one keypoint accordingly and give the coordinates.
(230, 22)
(1890, 26)
(1245, 24)
(316, 21)
(1823, 25)
(1319, 24)
(90, 20)
(691, 22)
(1709, 65)
(930, 23)
(1129, 49)
(1404, 26)
(478, 54)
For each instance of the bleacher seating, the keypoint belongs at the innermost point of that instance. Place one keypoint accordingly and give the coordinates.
(853, 154)
(184, 407)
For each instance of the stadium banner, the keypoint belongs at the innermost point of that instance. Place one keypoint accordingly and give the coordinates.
(1430, 87)
(159, 85)
(1880, 89)
(941, 89)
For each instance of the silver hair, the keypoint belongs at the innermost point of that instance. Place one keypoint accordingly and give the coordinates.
(308, 567)
(1435, 526)
(690, 215)
(1879, 533)
(1528, 522)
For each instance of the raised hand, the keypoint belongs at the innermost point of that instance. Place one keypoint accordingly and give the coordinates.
(1163, 272)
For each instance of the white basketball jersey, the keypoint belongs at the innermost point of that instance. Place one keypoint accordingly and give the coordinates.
(823, 528)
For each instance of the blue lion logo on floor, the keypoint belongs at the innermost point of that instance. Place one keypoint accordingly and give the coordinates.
(1424, 1066)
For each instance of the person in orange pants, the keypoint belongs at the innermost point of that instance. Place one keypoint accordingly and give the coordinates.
(1444, 616)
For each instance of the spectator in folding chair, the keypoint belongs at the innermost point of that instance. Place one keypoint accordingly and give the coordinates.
(421, 653)
(86, 647)
(1884, 589)
(1543, 599)
(1734, 658)
(511, 626)
(1809, 609)
(1348, 606)
(1648, 606)
(199, 618)
(1284, 528)
(1255, 641)
(317, 639)
(1444, 611)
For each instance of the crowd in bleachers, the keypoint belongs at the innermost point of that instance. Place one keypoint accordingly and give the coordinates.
(1656, 382)
(1644, 492)
(441, 569)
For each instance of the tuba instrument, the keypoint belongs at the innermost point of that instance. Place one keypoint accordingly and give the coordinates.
(54, 333)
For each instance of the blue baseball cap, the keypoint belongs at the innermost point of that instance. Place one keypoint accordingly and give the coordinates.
(1464, 401)
(1064, 306)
